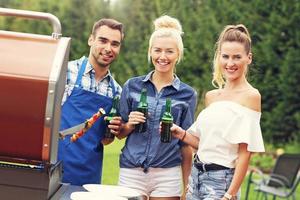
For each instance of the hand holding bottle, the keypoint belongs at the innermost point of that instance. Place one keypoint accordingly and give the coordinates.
(113, 128)
(142, 111)
(166, 123)
(112, 120)
(178, 132)
(115, 124)
(136, 117)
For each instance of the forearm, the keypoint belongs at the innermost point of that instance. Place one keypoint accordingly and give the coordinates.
(240, 172)
(184, 136)
(107, 141)
(186, 164)
(190, 139)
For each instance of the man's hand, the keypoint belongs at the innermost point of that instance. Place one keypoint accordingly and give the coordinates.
(115, 125)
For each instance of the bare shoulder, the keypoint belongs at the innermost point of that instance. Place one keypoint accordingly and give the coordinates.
(211, 95)
(252, 99)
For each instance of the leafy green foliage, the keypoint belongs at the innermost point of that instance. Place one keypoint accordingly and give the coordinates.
(273, 25)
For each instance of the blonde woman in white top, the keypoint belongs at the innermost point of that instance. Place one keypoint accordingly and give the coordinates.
(228, 130)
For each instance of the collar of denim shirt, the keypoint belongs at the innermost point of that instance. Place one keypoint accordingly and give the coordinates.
(175, 83)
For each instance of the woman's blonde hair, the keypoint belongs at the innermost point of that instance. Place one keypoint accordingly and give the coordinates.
(231, 33)
(166, 26)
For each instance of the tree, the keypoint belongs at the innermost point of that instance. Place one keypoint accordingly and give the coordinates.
(273, 26)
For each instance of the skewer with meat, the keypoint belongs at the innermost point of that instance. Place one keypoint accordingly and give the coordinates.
(86, 126)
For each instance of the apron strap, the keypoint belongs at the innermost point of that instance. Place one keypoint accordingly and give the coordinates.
(113, 87)
(80, 73)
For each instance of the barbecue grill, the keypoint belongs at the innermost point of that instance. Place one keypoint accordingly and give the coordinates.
(32, 78)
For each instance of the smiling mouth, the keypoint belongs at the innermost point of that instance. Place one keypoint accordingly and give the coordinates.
(162, 63)
(106, 56)
(231, 70)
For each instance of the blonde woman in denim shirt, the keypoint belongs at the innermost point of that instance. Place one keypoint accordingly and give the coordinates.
(147, 165)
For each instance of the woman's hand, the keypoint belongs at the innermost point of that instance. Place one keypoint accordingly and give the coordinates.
(185, 137)
(183, 196)
(177, 132)
(135, 118)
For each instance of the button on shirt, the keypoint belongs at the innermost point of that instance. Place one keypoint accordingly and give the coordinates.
(145, 149)
(89, 83)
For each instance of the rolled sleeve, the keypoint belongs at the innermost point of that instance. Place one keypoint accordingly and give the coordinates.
(189, 113)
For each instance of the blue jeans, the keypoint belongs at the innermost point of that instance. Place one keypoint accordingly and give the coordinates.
(210, 185)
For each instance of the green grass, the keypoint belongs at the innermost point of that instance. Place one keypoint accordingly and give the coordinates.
(111, 168)
(110, 173)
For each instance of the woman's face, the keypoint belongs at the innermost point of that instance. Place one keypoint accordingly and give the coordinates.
(164, 54)
(234, 60)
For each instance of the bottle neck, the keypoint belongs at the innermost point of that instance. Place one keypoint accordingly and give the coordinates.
(113, 111)
(115, 103)
(168, 105)
(167, 116)
(143, 99)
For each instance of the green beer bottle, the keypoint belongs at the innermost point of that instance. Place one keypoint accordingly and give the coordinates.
(113, 112)
(143, 108)
(166, 123)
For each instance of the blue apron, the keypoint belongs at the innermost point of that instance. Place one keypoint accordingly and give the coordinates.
(82, 160)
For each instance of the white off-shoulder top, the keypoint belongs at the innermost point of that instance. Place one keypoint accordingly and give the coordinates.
(221, 127)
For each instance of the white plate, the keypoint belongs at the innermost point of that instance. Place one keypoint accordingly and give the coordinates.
(94, 196)
(112, 189)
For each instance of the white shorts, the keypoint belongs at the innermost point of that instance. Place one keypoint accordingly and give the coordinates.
(157, 182)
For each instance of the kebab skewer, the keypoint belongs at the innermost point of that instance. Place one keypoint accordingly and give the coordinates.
(86, 126)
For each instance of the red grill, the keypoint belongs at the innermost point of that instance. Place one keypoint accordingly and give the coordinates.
(32, 78)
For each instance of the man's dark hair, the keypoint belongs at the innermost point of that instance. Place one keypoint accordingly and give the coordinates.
(111, 23)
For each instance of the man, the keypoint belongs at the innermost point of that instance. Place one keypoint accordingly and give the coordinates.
(90, 86)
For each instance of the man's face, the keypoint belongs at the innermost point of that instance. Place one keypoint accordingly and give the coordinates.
(105, 45)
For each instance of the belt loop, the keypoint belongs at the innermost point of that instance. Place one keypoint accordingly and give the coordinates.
(203, 167)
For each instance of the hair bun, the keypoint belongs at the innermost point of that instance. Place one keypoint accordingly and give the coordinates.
(166, 21)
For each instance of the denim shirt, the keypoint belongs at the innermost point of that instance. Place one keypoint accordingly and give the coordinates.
(145, 149)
